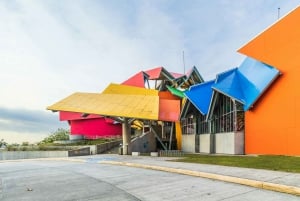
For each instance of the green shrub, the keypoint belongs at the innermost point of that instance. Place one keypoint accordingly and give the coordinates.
(11, 148)
(59, 134)
(23, 148)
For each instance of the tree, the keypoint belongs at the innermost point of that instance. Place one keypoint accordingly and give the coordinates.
(25, 143)
(3, 143)
(59, 134)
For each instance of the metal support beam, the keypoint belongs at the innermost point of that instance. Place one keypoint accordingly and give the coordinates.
(118, 119)
(158, 138)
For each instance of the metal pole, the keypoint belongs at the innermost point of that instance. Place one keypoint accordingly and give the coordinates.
(183, 62)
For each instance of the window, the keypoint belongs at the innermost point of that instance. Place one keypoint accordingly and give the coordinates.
(202, 125)
(228, 115)
(189, 124)
(240, 120)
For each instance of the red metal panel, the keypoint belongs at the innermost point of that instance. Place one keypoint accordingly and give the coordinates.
(95, 128)
(154, 73)
(65, 116)
(137, 80)
(176, 75)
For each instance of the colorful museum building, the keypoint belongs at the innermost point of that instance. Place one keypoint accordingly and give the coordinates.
(250, 109)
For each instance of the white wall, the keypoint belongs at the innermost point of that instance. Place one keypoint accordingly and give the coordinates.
(188, 143)
(205, 143)
(239, 143)
(224, 143)
(14, 155)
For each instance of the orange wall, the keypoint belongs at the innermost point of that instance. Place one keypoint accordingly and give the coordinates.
(273, 125)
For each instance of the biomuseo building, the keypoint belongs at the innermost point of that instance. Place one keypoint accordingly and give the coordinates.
(251, 109)
(272, 126)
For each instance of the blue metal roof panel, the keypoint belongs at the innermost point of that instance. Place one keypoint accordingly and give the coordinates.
(248, 90)
(200, 95)
(258, 73)
(255, 78)
(246, 83)
(228, 83)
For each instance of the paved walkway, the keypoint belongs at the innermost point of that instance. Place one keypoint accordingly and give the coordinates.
(266, 179)
(89, 178)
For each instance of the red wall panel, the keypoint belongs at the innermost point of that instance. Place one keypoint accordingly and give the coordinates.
(95, 128)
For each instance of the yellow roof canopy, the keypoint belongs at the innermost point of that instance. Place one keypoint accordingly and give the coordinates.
(116, 100)
(129, 90)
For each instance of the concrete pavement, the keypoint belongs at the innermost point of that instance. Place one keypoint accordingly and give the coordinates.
(265, 179)
(261, 179)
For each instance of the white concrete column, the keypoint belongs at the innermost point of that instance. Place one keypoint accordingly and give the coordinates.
(126, 137)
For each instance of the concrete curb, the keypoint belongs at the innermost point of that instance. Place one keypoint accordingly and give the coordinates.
(248, 182)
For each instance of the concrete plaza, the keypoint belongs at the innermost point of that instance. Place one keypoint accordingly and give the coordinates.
(88, 178)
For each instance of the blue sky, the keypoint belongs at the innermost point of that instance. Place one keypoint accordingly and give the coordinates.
(52, 48)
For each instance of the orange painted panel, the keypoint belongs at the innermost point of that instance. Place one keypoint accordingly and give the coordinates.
(279, 45)
(167, 95)
(169, 110)
(272, 126)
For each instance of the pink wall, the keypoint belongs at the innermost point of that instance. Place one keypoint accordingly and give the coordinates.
(95, 128)
(63, 116)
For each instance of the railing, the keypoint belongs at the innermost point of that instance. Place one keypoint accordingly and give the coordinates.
(101, 148)
(171, 153)
(79, 152)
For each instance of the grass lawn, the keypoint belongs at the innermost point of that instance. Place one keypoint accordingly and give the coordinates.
(279, 163)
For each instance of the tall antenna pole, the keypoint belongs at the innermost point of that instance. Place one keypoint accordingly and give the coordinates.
(278, 13)
(183, 62)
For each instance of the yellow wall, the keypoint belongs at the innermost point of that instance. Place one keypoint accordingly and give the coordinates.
(178, 134)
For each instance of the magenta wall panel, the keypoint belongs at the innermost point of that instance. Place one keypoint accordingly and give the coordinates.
(95, 128)
(64, 116)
